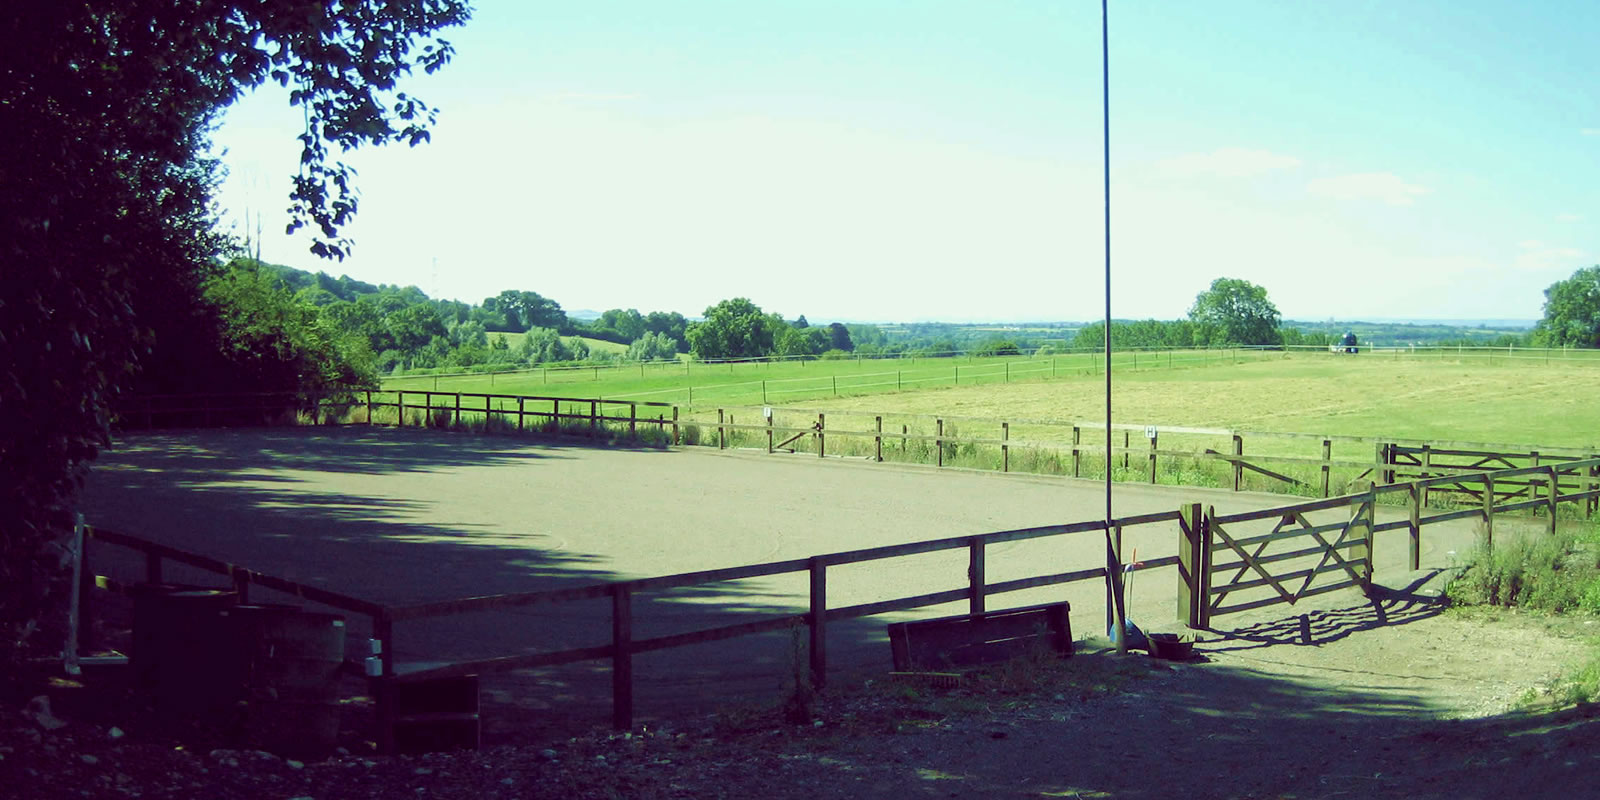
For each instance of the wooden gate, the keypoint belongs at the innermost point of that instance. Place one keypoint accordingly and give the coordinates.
(1420, 462)
(1239, 558)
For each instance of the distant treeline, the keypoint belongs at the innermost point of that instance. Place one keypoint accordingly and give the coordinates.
(341, 329)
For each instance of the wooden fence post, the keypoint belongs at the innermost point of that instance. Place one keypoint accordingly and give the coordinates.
(1427, 472)
(1153, 458)
(633, 418)
(1127, 442)
(1488, 511)
(822, 428)
(818, 619)
(1192, 577)
(975, 582)
(938, 441)
(521, 410)
(400, 409)
(621, 657)
(369, 408)
(594, 419)
(1415, 528)
(241, 583)
(1005, 447)
(1238, 470)
(1589, 483)
(1327, 456)
(85, 590)
(1369, 512)
(1077, 457)
(383, 684)
(769, 434)
(1554, 488)
(458, 409)
(722, 439)
(877, 441)
(675, 439)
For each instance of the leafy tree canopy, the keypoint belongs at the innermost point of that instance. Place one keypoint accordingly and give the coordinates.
(1571, 312)
(106, 225)
(1234, 311)
(735, 328)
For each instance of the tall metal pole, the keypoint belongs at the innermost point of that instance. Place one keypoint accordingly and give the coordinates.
(1113, 547)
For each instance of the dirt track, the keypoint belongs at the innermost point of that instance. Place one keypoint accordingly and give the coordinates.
(405, 516)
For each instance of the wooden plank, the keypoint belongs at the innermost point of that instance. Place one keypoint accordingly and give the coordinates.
(488, 602)
(222, 568)
(718, 634)
(1285, 533)
(1219, 531)
(1275, 558)
(1332, 551)
(490, 666)
(980, 638)
(901, 604)
(1297, 508)
(1287, 576)
(1036, 581)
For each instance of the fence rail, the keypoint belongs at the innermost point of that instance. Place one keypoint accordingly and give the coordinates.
(1385, 460)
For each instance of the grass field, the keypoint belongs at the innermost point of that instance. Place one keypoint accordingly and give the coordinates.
(763, 383)
(1522, 400)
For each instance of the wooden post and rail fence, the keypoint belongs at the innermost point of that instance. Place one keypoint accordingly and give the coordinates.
(1342, 548)
(1393, 459)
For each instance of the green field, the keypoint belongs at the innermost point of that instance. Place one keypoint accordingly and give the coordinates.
(1034, 404)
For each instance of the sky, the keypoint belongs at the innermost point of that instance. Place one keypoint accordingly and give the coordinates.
(883, 160)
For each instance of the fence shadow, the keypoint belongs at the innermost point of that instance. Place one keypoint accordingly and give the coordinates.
(1384, 607)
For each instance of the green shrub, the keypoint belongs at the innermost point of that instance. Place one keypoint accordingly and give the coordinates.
(1541, 572)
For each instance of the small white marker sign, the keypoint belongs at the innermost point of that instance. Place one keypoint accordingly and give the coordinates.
(1149, 431)
(766, 411)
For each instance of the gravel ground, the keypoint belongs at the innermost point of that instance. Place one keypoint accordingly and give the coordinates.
(1251, 717)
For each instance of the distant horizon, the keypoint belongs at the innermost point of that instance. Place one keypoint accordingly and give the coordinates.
(865, 159)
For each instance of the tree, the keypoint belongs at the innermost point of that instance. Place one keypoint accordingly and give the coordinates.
(1571, 312)
(735, 328)
(670, 324)
(525, 310)
(839, 337)
(791, 341)
(1232, 312)
(106, 224)
(653, 347)
(628, 325)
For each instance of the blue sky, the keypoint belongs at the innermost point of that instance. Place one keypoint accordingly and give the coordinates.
(876, 160)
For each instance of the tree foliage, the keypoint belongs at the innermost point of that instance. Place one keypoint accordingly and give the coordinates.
(735, 328)
(1232, 312)
(1571, 312)
(106, 225)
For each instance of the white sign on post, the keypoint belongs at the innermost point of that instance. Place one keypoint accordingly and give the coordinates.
(766, 411)
(1149, 431)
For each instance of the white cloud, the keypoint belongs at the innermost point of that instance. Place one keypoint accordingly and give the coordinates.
(1539, 257)
(1591, 131)
(1385, 187)
(1228, 162)
(1569, 217)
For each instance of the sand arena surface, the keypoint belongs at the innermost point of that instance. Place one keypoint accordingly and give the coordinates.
(402, 516)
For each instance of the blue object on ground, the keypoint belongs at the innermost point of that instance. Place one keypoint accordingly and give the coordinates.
(1136, 638)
